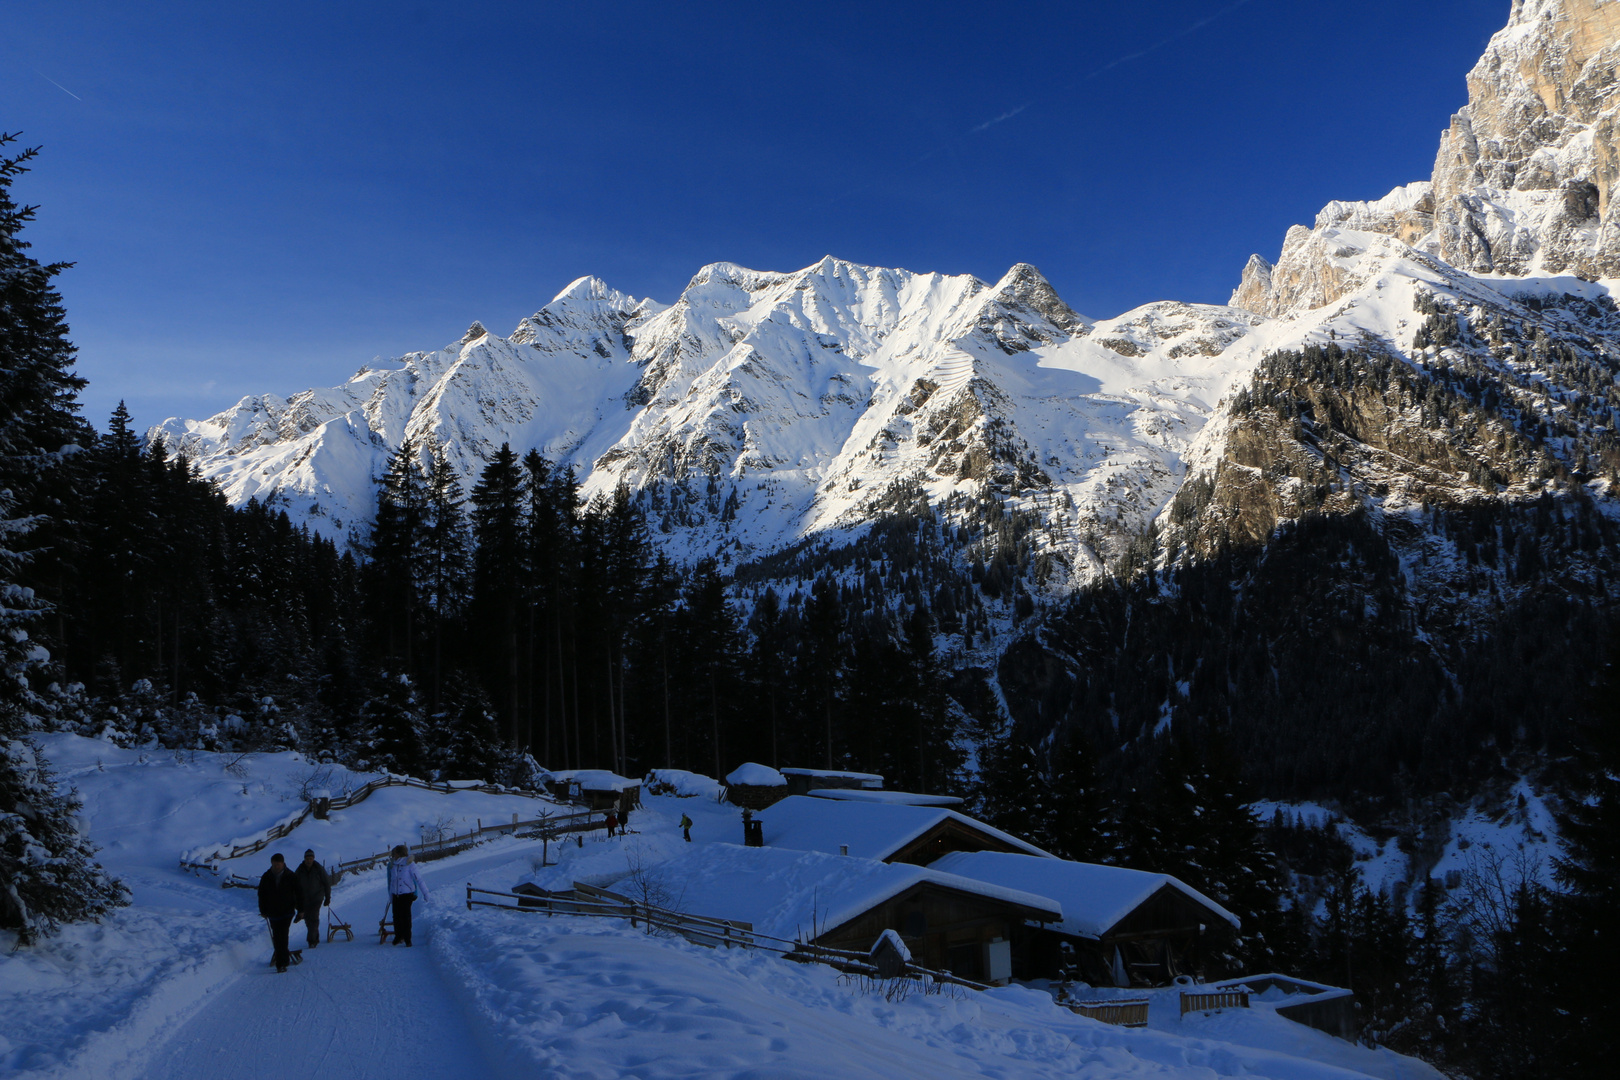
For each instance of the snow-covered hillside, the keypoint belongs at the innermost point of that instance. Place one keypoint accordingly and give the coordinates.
(767, 406)
(177, 985)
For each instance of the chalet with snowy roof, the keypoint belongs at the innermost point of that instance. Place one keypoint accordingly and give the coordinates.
(754, 786)
(804, 781)
(946, 922)
(887, 832)
(1123, 927)
(598, 789)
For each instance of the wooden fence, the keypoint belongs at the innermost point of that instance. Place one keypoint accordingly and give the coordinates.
(1125, 1012)
(547, 825)
(586, 900)
(1214, 1000)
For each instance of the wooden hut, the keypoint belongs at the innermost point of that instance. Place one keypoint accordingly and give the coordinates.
(1124, 927)
(946, 922)
(754, 786)
(804, 781)
(597, 789)
(888, 832)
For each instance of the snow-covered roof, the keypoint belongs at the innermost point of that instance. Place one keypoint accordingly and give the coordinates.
(871, 830)
(753, 774)
(1094, 897)
(595, 779)
(832, 773)
(801, 895)
(684, 784)
(894, 798)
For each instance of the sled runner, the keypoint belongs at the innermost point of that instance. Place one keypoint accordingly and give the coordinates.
(335, 926)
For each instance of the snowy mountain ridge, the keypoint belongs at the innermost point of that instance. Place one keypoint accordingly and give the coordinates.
(807, 401)
(763, 408)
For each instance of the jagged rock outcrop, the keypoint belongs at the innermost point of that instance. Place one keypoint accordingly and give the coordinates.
(1525, 177)
(1523, 182)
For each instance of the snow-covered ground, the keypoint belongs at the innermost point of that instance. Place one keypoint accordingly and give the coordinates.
(177, 985)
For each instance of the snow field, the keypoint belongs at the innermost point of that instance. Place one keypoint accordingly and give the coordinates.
(178, 985)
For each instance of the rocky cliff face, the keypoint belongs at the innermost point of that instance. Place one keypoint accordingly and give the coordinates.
(1524, 180)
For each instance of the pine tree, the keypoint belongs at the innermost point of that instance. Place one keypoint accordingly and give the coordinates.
(1589, 871)
(443, 559)
(391, 570)
(47, 872)
(498, 570)
(1078, 804)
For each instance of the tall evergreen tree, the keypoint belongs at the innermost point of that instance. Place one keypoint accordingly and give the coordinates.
(499, 556)
(1589, 871)
(47, 870)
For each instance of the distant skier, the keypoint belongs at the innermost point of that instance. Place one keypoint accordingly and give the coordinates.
(279, 897)
(403, 885)
(313, 890)
(612, 822)
(686, 828)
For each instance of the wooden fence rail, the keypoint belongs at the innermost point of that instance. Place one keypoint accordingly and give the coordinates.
(1125, 1012)
(547, 825)
(1213, 1000)
(699, 929)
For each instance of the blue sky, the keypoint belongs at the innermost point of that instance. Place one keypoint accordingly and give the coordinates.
(265, 197)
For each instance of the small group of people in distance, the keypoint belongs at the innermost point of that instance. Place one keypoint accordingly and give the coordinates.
(288, 896)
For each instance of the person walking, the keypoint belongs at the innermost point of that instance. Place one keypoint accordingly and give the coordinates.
(278, 903)
(612, 822)
(314, 890)
(686, 828)
(404, 883)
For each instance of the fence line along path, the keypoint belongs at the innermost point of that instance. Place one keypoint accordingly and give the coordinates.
(546, 826)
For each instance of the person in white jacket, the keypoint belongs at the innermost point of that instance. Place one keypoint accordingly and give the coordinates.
(404, 883)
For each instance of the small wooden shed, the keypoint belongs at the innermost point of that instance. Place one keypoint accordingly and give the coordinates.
(804, 781)
(946, 922)
(597, 789)
(890, 832)
(754, 786)
(1125, 927)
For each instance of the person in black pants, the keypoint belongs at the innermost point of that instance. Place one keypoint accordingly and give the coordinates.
(404, 883)
(278, 902)
(313, 890)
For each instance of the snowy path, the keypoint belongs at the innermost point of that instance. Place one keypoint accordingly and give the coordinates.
(353, 1009)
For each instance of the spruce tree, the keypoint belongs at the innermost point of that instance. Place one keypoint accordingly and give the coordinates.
(1589, 871)
(47, 870)
(1078, 805)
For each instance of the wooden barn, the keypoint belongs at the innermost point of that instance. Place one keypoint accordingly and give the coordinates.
(1122, 927)
(948, 923)
(597, 789)
(804, 781)
(888, 832)
(754, 786)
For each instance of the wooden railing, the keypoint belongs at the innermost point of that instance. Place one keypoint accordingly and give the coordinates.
(586, 900)
(551, 824)
(1212, 1000)
(1125, 1012)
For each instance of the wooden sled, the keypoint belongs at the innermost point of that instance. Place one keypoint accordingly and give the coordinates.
(334, 927)
(385, 929)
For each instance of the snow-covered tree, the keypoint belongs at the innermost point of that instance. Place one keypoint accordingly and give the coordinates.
(47, 870)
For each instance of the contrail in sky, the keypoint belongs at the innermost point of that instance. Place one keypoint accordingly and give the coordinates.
(1191, 28)
(58, 85)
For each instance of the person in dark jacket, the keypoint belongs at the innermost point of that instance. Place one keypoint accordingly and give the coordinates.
(314, 889)
(279, 897)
